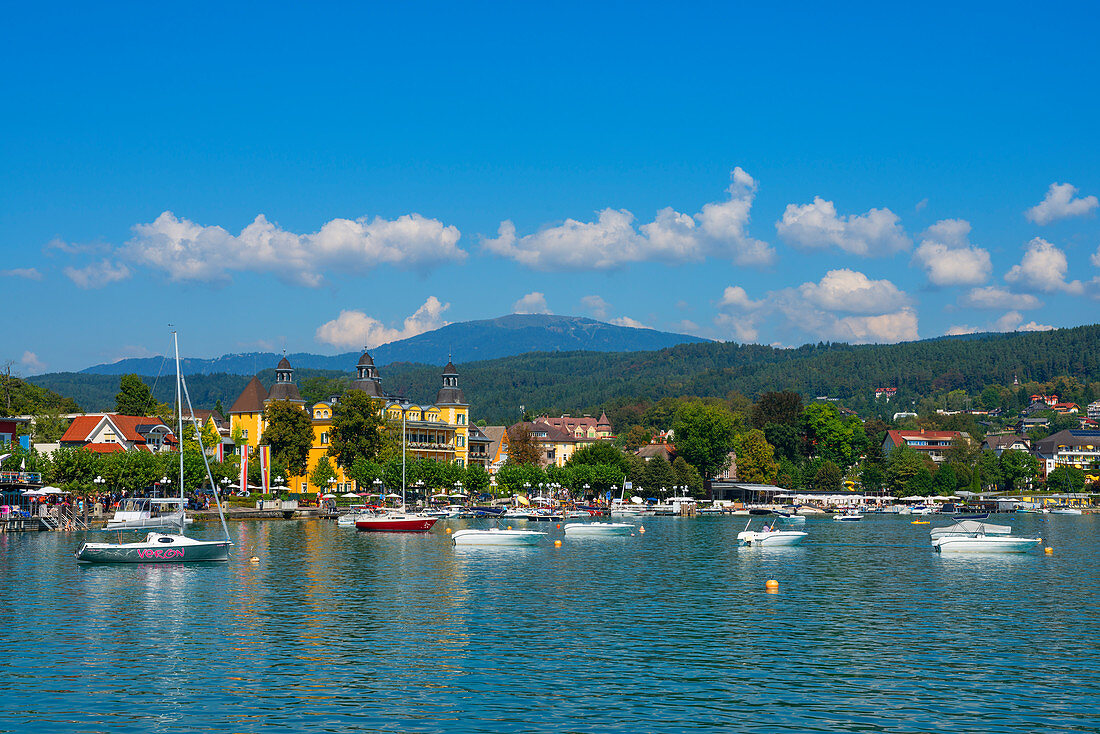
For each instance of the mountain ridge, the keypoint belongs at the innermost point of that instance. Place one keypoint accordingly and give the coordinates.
(465, 341)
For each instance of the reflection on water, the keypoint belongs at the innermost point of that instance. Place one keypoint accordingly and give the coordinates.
(667, 631)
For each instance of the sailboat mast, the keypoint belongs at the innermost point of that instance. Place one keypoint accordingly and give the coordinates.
(179, 404)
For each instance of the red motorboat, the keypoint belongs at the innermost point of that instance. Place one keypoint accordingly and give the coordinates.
(394, 521)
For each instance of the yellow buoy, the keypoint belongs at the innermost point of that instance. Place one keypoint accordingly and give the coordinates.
(254, 559)
(771, 584)
(559, 526)
(1048, 550)
(509, 527)
(641, 528)
(557, 544)
(448, 530)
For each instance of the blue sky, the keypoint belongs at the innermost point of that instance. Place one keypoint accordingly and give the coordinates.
(320, 178)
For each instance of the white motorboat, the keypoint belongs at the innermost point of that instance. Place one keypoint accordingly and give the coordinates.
(976, 536)
(156, 548)
(984, 544)
(966, 528)
(770, 535)
(921, 510)
(598, 528)
(164, 547)
(148, 513)
(848, 517)
(577, 513)
(496, 536)
(1066, 511)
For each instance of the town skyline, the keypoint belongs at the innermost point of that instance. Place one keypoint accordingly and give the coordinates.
(768, 177)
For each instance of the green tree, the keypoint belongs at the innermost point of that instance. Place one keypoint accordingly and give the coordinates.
(705, 435)
(902, 464)
(988, 469)
(49, 426)
(513, 477)
(756, 459)
(601, 452)
(872, 477)
(477, 479)
(134, 396)
(356, 433)
(780, 408)
(1066, 479)
(659, 475)
(1017, 468)
(687, 475)
(828, 477)
(840, 440)
(289, 433)
(785, 439)
(363, 472)
(635, 469)
(920, 484)
(322, 474)
(945, 482)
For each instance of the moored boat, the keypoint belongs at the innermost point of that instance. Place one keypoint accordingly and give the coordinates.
(598, 528)
(394, 521)
(977, 536)
(148, 513)
(496, 536)
(770, 535)
(156, 548)
(848, 517)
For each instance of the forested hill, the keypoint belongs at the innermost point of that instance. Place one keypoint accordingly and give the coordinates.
(20, 397)
(465, 341)
(584, 381)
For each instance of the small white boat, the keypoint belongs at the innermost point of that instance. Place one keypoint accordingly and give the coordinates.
(966, 528)
(921, 510)
(984, 544)
(148, 513)
(1066, 511)
(848, 517)
(770, 535)
(598, 528)
(577, 513)
(496, 536)
(156, 548)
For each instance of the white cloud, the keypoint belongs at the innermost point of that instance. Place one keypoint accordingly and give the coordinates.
(627, 321)
(613, 241)
(853, 292)
(98, 275)
(947, 256)
(817, 226)
(354, 329)
(1043, 268)
(959, 330)
(1095, 258)
(189, 251)
(888, 327)
(534, 302)
(742, 326)
(1013, 321)
(28, 273)
(597, 306)
(735, 297)
(32, 363)
(994, 297)
(1060, 203)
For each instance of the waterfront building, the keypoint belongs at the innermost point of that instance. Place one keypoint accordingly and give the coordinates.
(1093, 411)
(931, 443)
(1070, 448)
(555, 445)
(108, 433)
(440, 431)
(584, 427)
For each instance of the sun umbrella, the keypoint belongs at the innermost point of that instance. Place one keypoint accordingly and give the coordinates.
(328, 496)
(350, 495)
(52, 490)
(392, 496)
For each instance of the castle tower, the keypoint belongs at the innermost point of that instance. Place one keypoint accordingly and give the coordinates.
(284, 387)
(366, 377)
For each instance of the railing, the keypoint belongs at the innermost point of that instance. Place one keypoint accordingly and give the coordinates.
(71, 521)
(20, 477)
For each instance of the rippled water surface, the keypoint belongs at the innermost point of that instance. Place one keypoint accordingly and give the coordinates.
(670, 630)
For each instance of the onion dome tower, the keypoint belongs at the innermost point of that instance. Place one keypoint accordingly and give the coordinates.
(366, 377)
(450, 393)
(284, 387)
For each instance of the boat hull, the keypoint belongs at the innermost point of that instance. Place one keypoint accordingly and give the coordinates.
(598, 528)
(984, 544)
(157, 548)
(775, 538)
(396, 524)
(494, 536)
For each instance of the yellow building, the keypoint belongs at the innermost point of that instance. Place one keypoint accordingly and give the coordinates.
(440, 431)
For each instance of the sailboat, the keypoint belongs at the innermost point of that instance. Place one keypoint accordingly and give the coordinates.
(167, 547)
(401, 520)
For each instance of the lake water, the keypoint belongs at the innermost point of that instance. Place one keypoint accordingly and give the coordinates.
(668, 631)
